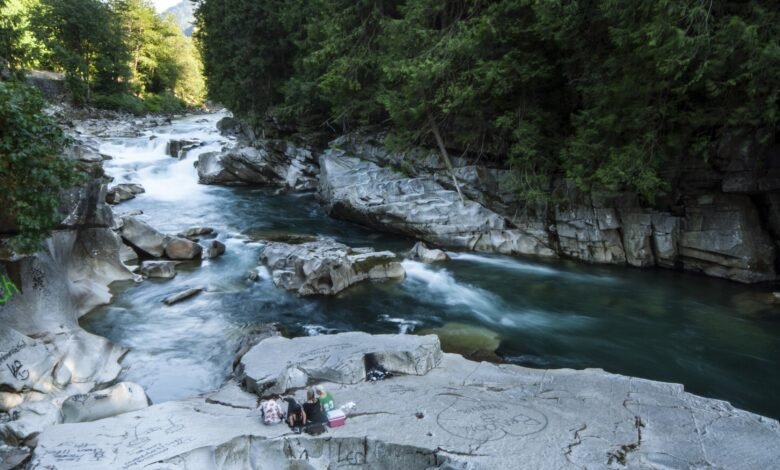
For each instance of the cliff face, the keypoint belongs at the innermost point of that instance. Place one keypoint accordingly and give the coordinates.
(722, 218)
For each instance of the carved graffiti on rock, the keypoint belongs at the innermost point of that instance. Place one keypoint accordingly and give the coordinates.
(489, 420)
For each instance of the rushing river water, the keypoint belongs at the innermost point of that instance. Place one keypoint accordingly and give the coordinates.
(656, 324)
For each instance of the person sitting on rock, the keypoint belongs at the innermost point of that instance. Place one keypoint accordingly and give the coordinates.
(313, 409)
(296, 416)
(272, 411)
(325, 398)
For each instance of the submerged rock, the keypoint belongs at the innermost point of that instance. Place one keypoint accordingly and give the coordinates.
(327, 267)
(182, 295)
(457, 415)
(121, 398)
(474, 342)
(426, 255)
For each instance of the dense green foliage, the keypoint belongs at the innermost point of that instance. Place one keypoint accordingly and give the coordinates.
(119, 52)
(611, 94)
(32, 172)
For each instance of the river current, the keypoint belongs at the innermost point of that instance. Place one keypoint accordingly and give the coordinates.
(656, 324)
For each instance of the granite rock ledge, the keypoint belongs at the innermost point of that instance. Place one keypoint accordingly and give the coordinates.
(457, 415)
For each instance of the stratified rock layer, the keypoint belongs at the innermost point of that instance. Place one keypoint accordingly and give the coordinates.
(459, 415)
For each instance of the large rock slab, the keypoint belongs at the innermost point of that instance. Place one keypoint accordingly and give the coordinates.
(420, 207)
(327, 267)
(459, 415)
(123, 397)
(278, 364)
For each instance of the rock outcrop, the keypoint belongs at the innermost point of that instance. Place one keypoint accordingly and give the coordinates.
(723, 220)
(422, 253)
(272, 162)
(123, 397)
(327, 267)
(454, 413)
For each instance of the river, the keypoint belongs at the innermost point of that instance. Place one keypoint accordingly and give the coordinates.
(656, 324)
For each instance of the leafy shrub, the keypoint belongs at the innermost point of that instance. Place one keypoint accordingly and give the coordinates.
(32, 171)
(122, 102)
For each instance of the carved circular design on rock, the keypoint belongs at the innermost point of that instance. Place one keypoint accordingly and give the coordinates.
(489, 420)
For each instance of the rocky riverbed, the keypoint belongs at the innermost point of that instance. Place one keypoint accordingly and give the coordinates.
(63, 385)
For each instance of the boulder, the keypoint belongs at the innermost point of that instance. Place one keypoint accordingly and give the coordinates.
(186, 294)
(181, 248)
(85, 206)
(121, 398)
(326, 267)
(422, 253)
(267, 162)
(459, 415)
(127, 255)
(211, 170)
(213, 249)
(26, 420)
(419, 207)
(158, 269)
(178, 148)
(195, 232)
(143, 237)
(277, 364)
(123, 192)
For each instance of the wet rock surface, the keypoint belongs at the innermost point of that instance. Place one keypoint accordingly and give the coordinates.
(272, 162)
(327, 267)
(458, 414)
(123, 192)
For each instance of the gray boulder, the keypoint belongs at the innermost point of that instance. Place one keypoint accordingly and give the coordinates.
(158, 269)
(195, 232)
(181, 248)
(213, 249)
(326, 267)
(178, 148)
(267, 162)
(143, 237)
(123, 192)
(362, 192)
(427, 255)
(277, 364)
(121, 398)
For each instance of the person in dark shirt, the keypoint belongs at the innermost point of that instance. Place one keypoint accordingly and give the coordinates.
(313, 408)
(296, 417)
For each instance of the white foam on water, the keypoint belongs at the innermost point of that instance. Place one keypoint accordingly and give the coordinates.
(405, 325)
(485, 305)
(529, 268)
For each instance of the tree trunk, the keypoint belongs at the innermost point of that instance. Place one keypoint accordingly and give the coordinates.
(444, 155)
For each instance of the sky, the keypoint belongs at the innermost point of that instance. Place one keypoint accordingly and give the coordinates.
(162, 5)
